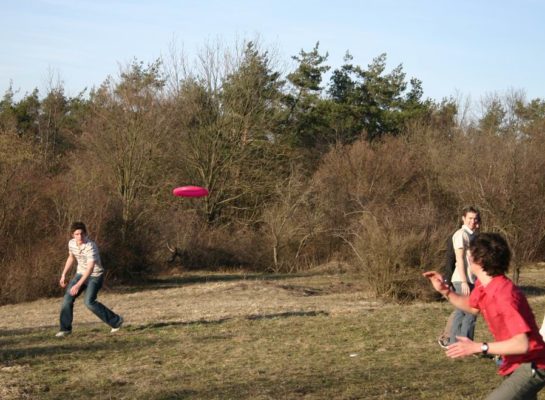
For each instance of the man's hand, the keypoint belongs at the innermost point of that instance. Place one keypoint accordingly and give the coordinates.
(62, 281)
(465, 289)
(437, 281)
(462, 348)
(74, 290)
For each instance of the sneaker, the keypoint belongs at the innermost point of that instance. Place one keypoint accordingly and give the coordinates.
(118, 327)
(62, 333)
(443, 342)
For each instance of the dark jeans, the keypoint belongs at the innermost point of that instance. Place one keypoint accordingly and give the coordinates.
(463, 323)
(523, 384)
(91, 288)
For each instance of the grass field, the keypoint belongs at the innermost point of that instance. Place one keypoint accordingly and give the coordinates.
(234, 336)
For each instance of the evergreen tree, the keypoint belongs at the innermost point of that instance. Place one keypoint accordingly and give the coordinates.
(373, 102)
(305, 122)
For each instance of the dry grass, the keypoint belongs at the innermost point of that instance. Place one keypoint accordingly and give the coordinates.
(236, 336)
(204, 297)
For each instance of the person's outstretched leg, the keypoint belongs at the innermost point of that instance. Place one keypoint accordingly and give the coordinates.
(458, 317)
(67, 308)
(468, 325)
(100, 310)
(444, 338)
(456, 326)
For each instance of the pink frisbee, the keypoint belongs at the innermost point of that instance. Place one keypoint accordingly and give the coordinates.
(190, 191)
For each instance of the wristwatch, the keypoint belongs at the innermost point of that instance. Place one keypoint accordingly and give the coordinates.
(484, 348)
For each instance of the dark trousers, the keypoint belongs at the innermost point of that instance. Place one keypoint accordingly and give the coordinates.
(91, 289)
(523, 384)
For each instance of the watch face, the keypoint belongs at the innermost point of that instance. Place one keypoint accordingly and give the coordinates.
(484, 348)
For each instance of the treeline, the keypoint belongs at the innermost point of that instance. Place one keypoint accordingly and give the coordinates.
(359, 170)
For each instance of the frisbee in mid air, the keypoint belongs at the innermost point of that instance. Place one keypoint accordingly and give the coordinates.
(190, 191)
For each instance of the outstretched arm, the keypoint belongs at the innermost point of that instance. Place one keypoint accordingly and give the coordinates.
(461, 302)
(517, 344)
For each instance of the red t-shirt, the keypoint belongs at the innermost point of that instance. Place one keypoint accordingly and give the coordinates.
(507, 313)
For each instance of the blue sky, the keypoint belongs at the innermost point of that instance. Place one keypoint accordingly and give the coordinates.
(464, 47)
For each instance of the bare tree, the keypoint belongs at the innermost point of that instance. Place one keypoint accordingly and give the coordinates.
(126, 132)
(291, 223)
(225, 115)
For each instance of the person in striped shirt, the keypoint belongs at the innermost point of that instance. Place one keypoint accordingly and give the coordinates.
(88, 279)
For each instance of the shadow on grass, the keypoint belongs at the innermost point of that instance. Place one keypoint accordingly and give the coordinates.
(45, 332)
(16, 332)
(15, 347)
(530, 290)
(31, 352)
(159, 325)
(11, 338)
(287, 315)
(71, 346)
(32, 343)
(177, 281)
(174, 395)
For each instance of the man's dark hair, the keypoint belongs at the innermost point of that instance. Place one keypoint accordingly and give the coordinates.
(78, 225)
(469, 209)
(491, 251)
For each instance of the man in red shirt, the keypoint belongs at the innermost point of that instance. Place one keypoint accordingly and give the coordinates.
(508, 316)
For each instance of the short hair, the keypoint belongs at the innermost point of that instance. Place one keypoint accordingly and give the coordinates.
(472, 209)
(491, 251)
(78, 225)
